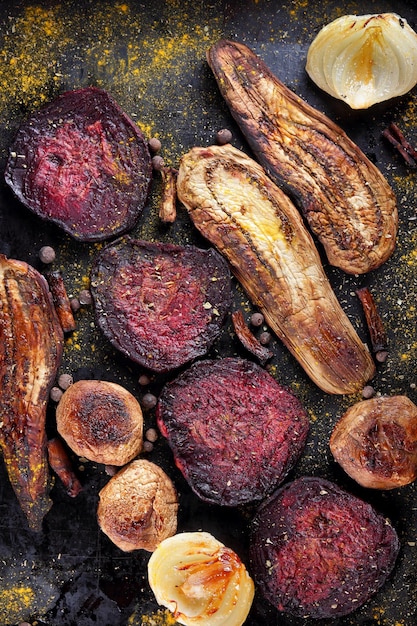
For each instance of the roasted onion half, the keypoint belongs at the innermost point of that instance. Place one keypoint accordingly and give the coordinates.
(364, 59)
(201, 581)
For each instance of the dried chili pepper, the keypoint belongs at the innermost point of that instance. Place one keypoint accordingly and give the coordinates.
(396, 138)
(168, 209)
(61, 301)
(62, 466)
(248, 339)
(378, 337)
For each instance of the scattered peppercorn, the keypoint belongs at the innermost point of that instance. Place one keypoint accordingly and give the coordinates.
(381, 356)
(158, 163)
(144, 380)
(257, 319)
(154, 145)
(65, 381)
(47, 255)
(149, 401)
(147, 446)
(75, 305)
(265, 338)
(56, 394)
(224, 136)
(151, 434)
(85, 297)
(368, 392)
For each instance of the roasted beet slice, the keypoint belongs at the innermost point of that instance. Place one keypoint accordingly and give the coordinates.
(234, 431)
(82, 163)
(162, 305)
(317, 551)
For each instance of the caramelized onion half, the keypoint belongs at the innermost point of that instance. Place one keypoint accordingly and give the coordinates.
(364, 59)
(200, 580)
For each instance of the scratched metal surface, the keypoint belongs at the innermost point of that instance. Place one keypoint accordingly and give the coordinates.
(150, 56)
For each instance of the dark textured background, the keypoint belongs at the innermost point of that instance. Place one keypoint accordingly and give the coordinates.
(151, 58)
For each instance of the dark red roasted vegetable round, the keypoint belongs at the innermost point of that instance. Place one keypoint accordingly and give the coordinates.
(317, 551)
(83, 164)
(162, 305)
(234, 431)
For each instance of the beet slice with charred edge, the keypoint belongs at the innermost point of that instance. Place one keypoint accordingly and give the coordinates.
(83, 164)
(162, 305)
(317, 551)
(235, 432)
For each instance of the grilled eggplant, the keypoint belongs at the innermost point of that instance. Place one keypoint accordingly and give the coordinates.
(234, 204)
(32, 341)
(346, 200)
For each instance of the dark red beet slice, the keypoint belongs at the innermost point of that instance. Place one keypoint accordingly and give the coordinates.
(82, 163)
(162, 305)
(317, 551)
(234, 431)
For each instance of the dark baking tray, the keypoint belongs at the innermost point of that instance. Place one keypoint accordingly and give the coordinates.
(151, 58)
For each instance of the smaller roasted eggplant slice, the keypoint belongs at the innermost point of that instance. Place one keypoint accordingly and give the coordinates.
(162, 305)
(235, 432)
(31, 340)
(375, 442)
(83, 164)
(319, 552)
(138, 507)
(101, 421)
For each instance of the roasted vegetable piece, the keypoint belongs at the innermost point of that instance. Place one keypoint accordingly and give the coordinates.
(83, 164)
(344, 197)
(138, 507)
(60, 462)
(160, 304)
(364, 59)
(248, 340)
(200, 580)
(101, 421)
(31, 340)
(257, 228)
(317, 551)
(375, 442)
(234, 431)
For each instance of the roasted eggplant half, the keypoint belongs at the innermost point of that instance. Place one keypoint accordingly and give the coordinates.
(346, 200)
(237, 207)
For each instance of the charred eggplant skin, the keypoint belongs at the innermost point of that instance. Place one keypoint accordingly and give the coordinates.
(32, 342)
(234, 204)
(345, 199)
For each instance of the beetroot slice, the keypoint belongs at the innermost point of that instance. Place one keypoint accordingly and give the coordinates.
(162, 305)
(317, 551)
(82, 163)
(234, 431)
